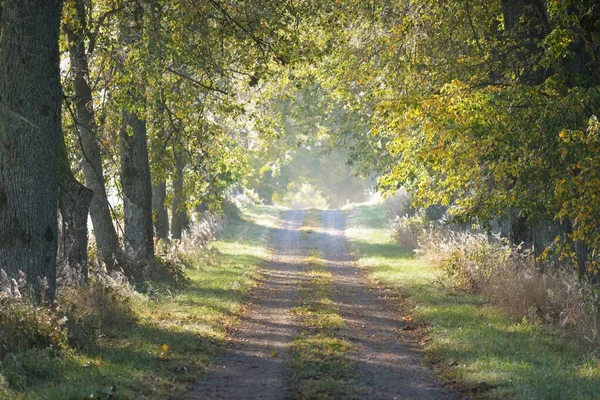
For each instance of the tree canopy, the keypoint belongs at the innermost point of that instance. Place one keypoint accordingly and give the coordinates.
(489, 108)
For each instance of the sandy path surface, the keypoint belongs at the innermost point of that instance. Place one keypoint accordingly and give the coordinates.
(391, 368)
(254, 364)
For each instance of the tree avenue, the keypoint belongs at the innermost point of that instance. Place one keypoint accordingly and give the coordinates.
(487, 108)
(132, 132)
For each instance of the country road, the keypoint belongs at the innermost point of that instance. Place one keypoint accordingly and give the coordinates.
(255, 362)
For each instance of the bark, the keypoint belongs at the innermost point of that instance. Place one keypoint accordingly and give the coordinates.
(137, 188)
(104, 229)
(30, 130)
(581, 254)
(580, 247)
(519, 231)
(159, 211)
(177, 207)
(74, 203)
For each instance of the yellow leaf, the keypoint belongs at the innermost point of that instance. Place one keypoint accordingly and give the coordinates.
(165, 347)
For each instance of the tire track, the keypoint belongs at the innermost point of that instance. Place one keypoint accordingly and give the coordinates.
(254, 364)
(390, 367)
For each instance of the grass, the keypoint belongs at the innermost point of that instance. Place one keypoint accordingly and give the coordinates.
(472, 344)
(164, 352)
(320, 356)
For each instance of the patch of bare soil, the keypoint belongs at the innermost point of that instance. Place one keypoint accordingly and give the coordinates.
(391, 366)
(254, 364)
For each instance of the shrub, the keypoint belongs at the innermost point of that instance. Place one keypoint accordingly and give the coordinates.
(465, 257)
(75, 318)
(34, 338)
(398, 204)
(5, 392)
(203, 231)
(104, 303)
(408, 230)
(509, 277)
(24, 326)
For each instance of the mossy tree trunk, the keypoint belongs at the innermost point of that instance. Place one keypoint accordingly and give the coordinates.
(30, 132)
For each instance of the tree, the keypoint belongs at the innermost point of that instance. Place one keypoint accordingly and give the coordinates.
(74, 203)
(137, 188)
(467, 102)
(178, 214)
(159, 210)
(30, 132)
(75, 25)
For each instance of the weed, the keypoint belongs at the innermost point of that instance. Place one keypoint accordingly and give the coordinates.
(24, 325)
(128, 345)
(509, 277)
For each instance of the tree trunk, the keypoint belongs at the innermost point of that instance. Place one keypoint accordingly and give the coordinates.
(580, 247)
(104, 230)
(581, 254)
(519, 232)
(137, 188)
(30, 129)
(159, 211)
(74, 203)
(178, 216)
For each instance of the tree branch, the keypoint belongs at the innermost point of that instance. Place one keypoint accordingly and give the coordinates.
(196, 81)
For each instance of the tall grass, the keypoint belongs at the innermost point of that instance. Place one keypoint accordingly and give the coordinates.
(508, 276)
(106, 339)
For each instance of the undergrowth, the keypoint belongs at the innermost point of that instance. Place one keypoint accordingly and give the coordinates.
(110, 338)
(511, 278)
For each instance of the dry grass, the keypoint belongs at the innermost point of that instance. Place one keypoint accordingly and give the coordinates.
(509, 277)
(103, 340)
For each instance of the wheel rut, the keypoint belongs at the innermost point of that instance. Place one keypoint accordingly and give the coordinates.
(254, 364)
(390, 367)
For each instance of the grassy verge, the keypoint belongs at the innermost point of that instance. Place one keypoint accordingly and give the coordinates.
(320, 356)
(473, 344)
(163, 353)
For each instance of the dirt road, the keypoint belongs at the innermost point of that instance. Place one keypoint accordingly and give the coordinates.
(254, 365)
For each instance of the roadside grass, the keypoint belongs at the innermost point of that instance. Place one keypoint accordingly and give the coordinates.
(320, 359)
(472, 344)
(164, 352)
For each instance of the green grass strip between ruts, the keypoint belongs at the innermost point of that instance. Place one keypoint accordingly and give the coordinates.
(320, 356)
